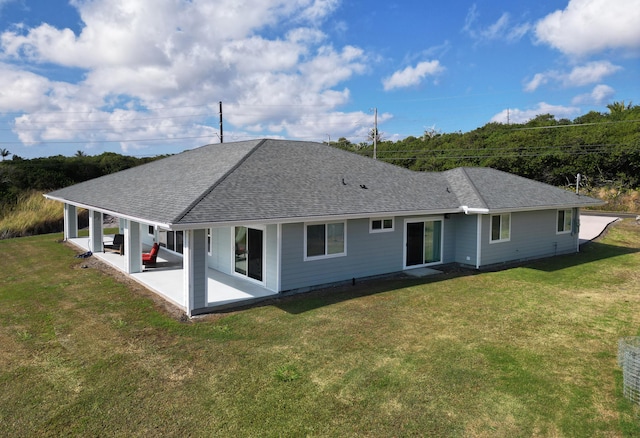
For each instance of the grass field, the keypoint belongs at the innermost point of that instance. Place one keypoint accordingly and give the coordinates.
(526, 351)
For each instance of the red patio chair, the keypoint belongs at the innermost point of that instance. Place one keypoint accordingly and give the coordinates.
(149, 258)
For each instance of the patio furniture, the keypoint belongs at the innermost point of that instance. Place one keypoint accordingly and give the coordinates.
(117, 245)
(149, 258)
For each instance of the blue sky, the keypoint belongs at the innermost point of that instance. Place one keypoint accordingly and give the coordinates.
(144, 77)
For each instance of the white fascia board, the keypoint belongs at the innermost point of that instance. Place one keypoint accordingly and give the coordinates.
(289, 220)
(109, 212)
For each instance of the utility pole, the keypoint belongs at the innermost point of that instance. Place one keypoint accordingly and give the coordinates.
(221, 137)
(375, 133)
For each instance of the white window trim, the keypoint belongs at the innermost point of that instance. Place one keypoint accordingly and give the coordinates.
(491, 228)
(209, 241)
(570, 210)
(324, 256)
(382, 230)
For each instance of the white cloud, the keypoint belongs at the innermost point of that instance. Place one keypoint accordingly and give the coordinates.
(502, 30)
(515, 115)
(538, 80)
(140, 56)
(22, 90)
(589, 73)
(600, 95)
(319, 9)
(412, 75)
(592, 26)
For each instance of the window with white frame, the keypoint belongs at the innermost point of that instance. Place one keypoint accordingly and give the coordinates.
(565, 218)
(381, 225)
(325, 240)
(500, 227)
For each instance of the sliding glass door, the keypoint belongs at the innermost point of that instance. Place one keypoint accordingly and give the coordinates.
(423, 242)
(249, 252)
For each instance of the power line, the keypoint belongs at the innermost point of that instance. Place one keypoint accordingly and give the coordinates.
(139, 140)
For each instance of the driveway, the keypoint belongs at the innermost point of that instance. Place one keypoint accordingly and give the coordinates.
(593, 226)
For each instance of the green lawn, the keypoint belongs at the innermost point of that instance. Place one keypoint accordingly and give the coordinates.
(527, 351)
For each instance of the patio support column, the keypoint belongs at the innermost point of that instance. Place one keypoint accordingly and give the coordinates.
(70, 221)
(95, 231)
(132, 247)
(194, 266)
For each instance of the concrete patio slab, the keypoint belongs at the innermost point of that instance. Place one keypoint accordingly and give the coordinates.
(167, 278)
(422, 272)
(592, 227)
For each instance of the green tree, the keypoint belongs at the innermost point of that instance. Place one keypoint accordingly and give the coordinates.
(5, 153)
(618, 107)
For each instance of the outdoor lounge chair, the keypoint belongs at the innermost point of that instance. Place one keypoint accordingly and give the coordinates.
(149, 258)
(117, 245)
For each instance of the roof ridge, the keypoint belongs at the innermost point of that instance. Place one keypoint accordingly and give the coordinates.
(219, 181)
(473, 187)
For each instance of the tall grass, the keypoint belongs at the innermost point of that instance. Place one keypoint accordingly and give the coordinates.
(618, 199)
(32, 214)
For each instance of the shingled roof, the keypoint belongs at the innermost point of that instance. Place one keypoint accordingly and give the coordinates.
(281, 180)
(485, 188)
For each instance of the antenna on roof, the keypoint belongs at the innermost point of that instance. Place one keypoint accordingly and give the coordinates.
(373, 134)
(221, 138)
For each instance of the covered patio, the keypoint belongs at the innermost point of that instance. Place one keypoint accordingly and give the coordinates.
(167, 278)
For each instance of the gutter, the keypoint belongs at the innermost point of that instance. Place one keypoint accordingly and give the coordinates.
(109, 212)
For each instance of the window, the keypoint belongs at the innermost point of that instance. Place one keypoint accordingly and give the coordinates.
(325, 240)
(564, 221)
(381, 225)
(151, 230)
(175, 241)
(209, 242)
(501, 227)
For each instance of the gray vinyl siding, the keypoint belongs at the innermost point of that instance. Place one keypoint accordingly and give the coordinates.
(199, 242)
(533, 235)
(465, 238)
(367, 254)
(449, 240)
(271, 258)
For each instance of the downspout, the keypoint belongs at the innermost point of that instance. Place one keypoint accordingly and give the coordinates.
(479, 241)
(576, 229)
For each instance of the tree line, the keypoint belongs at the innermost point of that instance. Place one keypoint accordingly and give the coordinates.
(18, 175)
(603, 147)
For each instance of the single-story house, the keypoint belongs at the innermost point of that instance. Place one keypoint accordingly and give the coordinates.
(290, 216)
